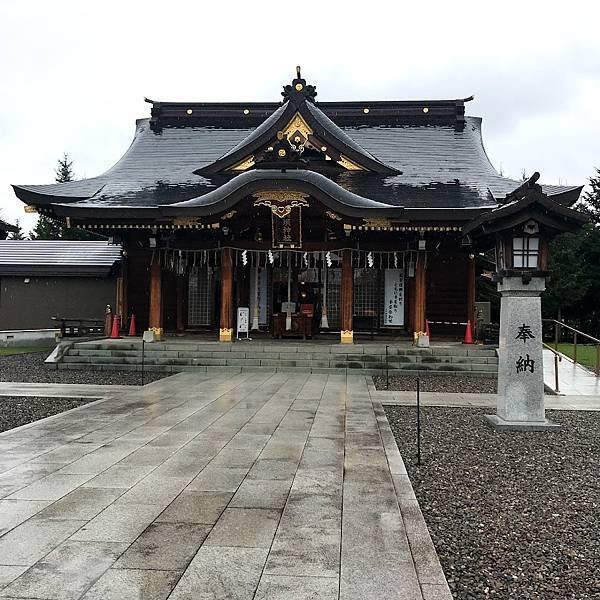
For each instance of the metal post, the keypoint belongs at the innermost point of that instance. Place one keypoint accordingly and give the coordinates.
(387, 370)
(418, 421)
(143, 356)
(556, 358)
(575, 348)
(556, 334)
(598, 360)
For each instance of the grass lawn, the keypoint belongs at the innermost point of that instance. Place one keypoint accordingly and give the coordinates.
(586, 355)
(23, 349)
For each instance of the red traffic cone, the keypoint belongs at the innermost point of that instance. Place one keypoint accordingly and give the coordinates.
(116, 325)
(468, 334)
(427, 329)
(132, 329)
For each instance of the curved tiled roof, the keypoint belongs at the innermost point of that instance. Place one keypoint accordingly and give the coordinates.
(442, 167)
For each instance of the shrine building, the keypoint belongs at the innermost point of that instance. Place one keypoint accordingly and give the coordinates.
(337, 217)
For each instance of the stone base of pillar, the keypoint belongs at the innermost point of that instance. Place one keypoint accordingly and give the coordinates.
(500, 424)
(347, 337)
(225, 335)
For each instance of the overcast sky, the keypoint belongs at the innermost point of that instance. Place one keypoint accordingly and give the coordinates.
(74, 74)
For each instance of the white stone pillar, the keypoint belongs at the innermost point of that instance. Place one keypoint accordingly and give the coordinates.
(520, 398)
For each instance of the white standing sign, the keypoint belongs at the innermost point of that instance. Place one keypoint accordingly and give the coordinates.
(243, 320)
(393, 310)
(259, 294)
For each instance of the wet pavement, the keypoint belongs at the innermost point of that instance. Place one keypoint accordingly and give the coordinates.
(254, 485)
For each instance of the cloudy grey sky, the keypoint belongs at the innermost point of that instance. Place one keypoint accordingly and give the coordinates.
(74, 73)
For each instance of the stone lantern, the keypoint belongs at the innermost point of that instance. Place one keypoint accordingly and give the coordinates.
(520, 230)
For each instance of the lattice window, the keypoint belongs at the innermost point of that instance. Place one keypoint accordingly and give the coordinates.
(525, 252)
(334, 286)
(201, 296)
(368, 294)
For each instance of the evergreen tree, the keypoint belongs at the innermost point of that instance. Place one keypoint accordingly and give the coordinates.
(64, 170)
(48, 228)
(590, 205)
(18, 234)
(574, 285)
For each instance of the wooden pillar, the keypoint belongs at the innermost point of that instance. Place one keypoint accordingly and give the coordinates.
(122, 303)
(226, 326)
(156, 300)
(471, 290)
(180, 302)
(420, 293)
(347, 299)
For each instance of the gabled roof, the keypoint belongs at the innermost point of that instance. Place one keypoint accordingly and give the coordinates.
(527, 202)
(299, 104)
(58, 257)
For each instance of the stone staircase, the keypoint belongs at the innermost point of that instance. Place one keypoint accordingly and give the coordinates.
(244, 356)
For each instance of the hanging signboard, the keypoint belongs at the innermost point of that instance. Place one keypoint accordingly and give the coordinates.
(394, 298)
(243, 320)
(287, 227)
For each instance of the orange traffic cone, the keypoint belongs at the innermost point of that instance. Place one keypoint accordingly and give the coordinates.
(427, 329)
(468, 334)
(116, 325)
(132, 328)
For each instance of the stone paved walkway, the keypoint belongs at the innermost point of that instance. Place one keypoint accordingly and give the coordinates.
(61, 390)
(573, 379)
(266, 486)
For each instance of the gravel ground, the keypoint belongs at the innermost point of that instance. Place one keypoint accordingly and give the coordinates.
(17, 410)
(512, 515)
(30, 368)
(440, 383)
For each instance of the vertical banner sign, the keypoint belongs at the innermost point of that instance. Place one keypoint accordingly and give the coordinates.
(394, 298)
(287, 227)
(261, 294)
(243, 320)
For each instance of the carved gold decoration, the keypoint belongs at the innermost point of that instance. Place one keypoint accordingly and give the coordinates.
(348, 164)
(281, 211)
(333, 216)
(244, 165)
(347, 337)
(30, 209)
(297, 124)
(281, 202)
(281, 152)
(228, 215)
(225, 334)
(299, 87)
(380, 222)
(185, 221)
(280, 196)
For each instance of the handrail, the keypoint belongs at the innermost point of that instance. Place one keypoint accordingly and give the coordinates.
(590, 337)
(576, 332)
(557, 359)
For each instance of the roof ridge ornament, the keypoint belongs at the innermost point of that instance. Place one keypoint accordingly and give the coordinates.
(529, 186)
(299, 91)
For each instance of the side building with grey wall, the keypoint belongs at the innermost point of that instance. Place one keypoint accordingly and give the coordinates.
(66, 279)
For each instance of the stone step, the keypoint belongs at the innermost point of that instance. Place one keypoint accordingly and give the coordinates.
(274, 359)
(335, 363)
(269, 369)
(275, 348)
